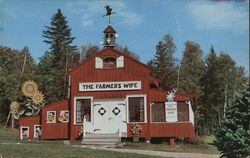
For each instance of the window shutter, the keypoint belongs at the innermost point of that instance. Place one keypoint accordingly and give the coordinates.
(98, 63)
(120, 62)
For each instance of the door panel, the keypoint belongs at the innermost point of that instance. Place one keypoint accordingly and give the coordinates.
(109, 116)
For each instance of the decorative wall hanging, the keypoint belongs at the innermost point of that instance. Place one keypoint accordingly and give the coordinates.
(51, 117)
(102, 111)
(64, 116)
(116, 111)
(32, 104)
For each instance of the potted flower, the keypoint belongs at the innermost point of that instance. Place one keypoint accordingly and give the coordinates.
(136, 130)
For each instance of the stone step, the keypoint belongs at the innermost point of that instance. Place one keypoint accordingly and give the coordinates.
(100, 141)
(101, 138)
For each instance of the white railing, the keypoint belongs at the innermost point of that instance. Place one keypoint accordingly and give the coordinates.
(88, 127)
(191, 112)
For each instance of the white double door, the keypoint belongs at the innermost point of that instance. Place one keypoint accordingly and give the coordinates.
(110, 116)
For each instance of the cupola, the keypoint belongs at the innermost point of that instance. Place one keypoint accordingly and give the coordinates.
(109, 36)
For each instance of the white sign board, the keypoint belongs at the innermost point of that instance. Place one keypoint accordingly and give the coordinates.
(171, 111)
(109, 86)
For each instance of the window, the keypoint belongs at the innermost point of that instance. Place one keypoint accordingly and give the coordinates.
(136, 109)
(37, 131)
(83, 108)
(183, 113)
(109, 63)
(158, 112)
(24, 133)
(51, 117)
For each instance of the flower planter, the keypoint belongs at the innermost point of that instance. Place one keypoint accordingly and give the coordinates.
(136, 139)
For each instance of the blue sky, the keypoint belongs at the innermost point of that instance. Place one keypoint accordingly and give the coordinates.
(140, 24)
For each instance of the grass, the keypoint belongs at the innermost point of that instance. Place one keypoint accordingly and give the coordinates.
(204, 146)
(50, 149)
(10, 148)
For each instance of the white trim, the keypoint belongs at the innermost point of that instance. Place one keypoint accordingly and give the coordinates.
(82, 97)
(190, 112)
(145, 106)
(21, 129)
(34, 131)
(47, 117)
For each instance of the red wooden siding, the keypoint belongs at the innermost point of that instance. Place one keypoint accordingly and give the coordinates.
(166, 130)
(172, 130)
(56, 130)
(29, 122)
(132, 71)
(86, 72)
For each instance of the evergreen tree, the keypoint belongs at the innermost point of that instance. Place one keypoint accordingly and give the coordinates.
(163, 63)
(218, 84)
(192, 68)
(58, 35)
(233, 136)
(46, 76)
(207, 109)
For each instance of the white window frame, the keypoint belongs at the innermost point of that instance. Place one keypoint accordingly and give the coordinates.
(21, 131)
(35, 130)
(91, 107)
(145, 106)
(47, 117)
(60, 115)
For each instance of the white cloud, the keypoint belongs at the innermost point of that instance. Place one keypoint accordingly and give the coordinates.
(228, 16)
(88, 10)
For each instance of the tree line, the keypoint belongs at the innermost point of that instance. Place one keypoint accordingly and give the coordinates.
(213, 80)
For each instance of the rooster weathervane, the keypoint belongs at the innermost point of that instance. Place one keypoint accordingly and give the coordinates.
(109, 11)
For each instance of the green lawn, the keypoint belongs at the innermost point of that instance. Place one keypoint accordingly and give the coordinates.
(50, 149)
(205, 146)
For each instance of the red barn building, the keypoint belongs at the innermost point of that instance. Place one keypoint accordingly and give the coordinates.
(107, 94)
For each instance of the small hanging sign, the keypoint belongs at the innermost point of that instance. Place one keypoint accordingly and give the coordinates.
(171, 111)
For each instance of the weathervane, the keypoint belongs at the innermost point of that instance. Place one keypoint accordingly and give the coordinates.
(109, 11)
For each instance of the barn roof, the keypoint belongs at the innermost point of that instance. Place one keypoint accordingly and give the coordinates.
(109, 29)
(65, 101)
(104, 51)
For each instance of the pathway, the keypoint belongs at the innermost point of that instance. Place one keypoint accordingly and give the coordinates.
(156, 153)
